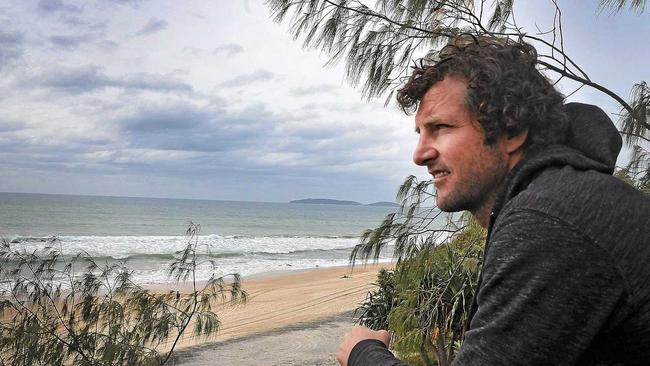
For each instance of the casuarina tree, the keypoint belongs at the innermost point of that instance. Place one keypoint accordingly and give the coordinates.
(60, 310)
(425, 299)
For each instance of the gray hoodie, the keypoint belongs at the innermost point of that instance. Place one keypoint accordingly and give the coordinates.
(566, 272)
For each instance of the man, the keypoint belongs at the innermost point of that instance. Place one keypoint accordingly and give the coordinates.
(566, 272)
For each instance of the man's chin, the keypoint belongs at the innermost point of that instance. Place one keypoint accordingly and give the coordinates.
(446, 209)
(446, 206)
(443, 206)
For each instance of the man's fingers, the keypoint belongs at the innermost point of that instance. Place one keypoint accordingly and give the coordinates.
(384, 336)
(356, 335)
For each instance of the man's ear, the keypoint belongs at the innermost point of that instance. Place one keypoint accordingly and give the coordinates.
(514, 143)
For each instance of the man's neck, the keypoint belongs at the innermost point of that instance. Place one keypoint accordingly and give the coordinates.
(513, 157)
(482, 214)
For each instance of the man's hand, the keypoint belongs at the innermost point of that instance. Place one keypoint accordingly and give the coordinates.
(356, 335)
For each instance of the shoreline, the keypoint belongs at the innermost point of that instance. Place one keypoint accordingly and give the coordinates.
(267, 275)
(280, 301)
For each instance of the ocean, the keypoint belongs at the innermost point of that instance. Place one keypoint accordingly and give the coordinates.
(244, 237)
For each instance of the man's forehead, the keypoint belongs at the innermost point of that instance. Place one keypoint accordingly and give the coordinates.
(447, 91)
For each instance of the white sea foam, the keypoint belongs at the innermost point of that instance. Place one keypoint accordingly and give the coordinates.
(244, 268)
(149, 256)
(126, 246)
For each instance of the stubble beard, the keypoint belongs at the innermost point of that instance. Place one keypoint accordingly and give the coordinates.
(478, 187)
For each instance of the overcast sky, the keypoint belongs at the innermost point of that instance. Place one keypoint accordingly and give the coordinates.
(212, 100)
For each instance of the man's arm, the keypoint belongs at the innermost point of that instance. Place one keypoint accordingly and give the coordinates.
(365, 347)
(547, 291)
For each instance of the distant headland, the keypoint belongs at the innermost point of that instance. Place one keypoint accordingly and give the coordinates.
(384, 204)
(327, 201)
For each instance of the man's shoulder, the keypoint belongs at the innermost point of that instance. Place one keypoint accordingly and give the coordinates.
(582, 198)
(609, 214)
(606, 211)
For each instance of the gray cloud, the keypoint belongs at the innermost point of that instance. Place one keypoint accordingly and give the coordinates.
(192, 51)
(11, 39)
(150, 82)
(154, 119)
(73, 41)
(89, 25)
(108, 44)
(315, 90)
(8, 56)
(153, 26)
(89, 78)
(186, 127)
(53, 6)
(247, 79)
(126, 2)
(116, 116)
(228, 49)
(11, 126)
(11, 48)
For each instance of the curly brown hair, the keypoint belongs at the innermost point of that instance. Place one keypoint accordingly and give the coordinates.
(506, 92)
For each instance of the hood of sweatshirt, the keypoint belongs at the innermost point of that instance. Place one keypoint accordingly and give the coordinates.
(593, 144)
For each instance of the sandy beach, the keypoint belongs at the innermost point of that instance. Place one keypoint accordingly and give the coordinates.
(306, 344)
(291, 318)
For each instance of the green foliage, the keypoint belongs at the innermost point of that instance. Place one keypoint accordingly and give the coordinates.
(636, 124)
(374, 310)
(378, 43)
(617, 5)
(637, 172)
(428, 297)
(434, 292)
(416, 225)
(56, 310)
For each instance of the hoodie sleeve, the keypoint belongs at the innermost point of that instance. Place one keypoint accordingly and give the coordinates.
(547, 290)
(372, 352)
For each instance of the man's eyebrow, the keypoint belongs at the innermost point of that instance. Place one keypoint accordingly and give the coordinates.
(427, 121)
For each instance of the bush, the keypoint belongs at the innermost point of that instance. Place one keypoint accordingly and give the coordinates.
(428, 298)
(374, 310)
(56, 310)
(434, 292)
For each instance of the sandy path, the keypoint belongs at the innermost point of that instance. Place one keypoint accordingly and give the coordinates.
(304, 344)
(280, 301)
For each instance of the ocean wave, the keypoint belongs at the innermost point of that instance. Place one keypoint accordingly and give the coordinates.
(42, 239)
(33, 239)
(123, 247)
(171, 256)
(217, 236)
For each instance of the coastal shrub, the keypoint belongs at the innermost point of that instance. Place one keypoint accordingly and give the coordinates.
(57, 310)
(374, 310)
(434, 292)
(426, 300)
(637, 172)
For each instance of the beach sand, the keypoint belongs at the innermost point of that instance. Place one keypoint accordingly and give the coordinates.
(308, 343)
(292, 318)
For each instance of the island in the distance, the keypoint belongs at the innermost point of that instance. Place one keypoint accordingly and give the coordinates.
(327, 201)
(384, 204)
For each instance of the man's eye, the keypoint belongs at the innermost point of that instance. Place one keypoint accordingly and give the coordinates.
(440, 126)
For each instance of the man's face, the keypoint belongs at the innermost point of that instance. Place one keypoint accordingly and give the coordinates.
(466, 172)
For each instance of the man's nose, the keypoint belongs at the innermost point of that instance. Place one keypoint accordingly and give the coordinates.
(424, 152)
